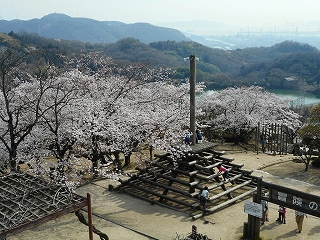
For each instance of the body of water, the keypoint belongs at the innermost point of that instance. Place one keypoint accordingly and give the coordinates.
(309, 99)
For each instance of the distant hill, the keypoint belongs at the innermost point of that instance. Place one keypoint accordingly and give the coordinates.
(60, 26)
(269, 67)
(281, 66)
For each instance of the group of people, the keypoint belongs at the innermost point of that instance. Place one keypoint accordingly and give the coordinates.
(299, 216)
(265, 212)
(204, 195)
(187, 137)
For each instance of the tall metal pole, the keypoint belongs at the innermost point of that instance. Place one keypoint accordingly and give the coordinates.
(193, 98)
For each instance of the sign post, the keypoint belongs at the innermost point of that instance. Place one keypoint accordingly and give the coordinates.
(253, 209)
(252, 227)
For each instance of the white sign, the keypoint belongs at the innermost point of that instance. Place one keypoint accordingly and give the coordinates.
(282, 196)
(252, 208)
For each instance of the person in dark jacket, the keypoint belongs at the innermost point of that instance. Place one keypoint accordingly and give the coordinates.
(199, 136)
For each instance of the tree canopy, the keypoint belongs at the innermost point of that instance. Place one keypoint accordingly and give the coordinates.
(69, 106)
(310, 132)
(239, 110)
(87, 107)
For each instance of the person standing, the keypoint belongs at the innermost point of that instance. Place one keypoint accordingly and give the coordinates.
(199, 136)
(187, 139)
(264, 144)
(265, 212)
(299, 219)
(282, 214)
(204, 196)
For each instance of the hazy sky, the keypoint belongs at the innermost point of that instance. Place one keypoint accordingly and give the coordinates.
(239, 12)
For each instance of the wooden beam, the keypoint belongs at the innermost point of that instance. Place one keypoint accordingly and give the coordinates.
(208, 167)
(174, 189)
(189, 184)
(218, 185)
(216, 208)
(186, 173)
(161, 195)
(224, 182)
(28, 225)
(207, 178)
(230, 190)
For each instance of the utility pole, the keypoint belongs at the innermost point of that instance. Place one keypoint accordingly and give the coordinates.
(193, 98)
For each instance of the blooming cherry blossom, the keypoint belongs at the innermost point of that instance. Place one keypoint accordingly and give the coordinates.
(239, 110)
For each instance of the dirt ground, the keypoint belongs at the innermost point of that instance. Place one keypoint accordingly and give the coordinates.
(123, 217)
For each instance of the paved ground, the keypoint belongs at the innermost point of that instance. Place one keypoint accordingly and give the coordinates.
(123, 217)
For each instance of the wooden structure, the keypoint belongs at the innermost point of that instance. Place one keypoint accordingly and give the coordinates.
(27, 201)
(177, 183)
(280, 195)
(276, 137)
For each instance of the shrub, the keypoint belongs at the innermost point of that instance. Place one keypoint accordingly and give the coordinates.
(316, 163)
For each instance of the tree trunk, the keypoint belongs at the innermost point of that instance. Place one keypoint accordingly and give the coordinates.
(307, 162)
(13, 165)
(150, 151)
(117, 161)
(127, 159)
(307, 165)
(95, 159)
(13, 159)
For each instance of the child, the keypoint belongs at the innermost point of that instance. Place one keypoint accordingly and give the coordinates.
(199, 137)
(224, 170)
(204, 196)
(282, 215)
(265, 207)
(187, 139)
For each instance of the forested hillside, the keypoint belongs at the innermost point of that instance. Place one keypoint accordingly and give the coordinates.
(269, 67)
(278, 67)
(61, 26)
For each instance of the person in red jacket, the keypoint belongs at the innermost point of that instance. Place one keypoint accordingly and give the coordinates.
(223, 170)
(282, 214)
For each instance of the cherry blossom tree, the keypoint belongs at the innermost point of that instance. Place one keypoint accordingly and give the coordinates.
(51, 147)
(156, 116)
(310, 133)
(134, 105)
(57, 129)
(22, 89)
(95, 109)
(239, 110)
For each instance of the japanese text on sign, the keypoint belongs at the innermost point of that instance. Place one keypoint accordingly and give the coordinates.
(282, 196)
(252, 208)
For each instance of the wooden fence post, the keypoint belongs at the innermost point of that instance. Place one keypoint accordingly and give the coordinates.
(90, 217)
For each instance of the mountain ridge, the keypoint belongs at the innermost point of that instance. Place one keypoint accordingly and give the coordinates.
(61, 26)
(268, 67)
